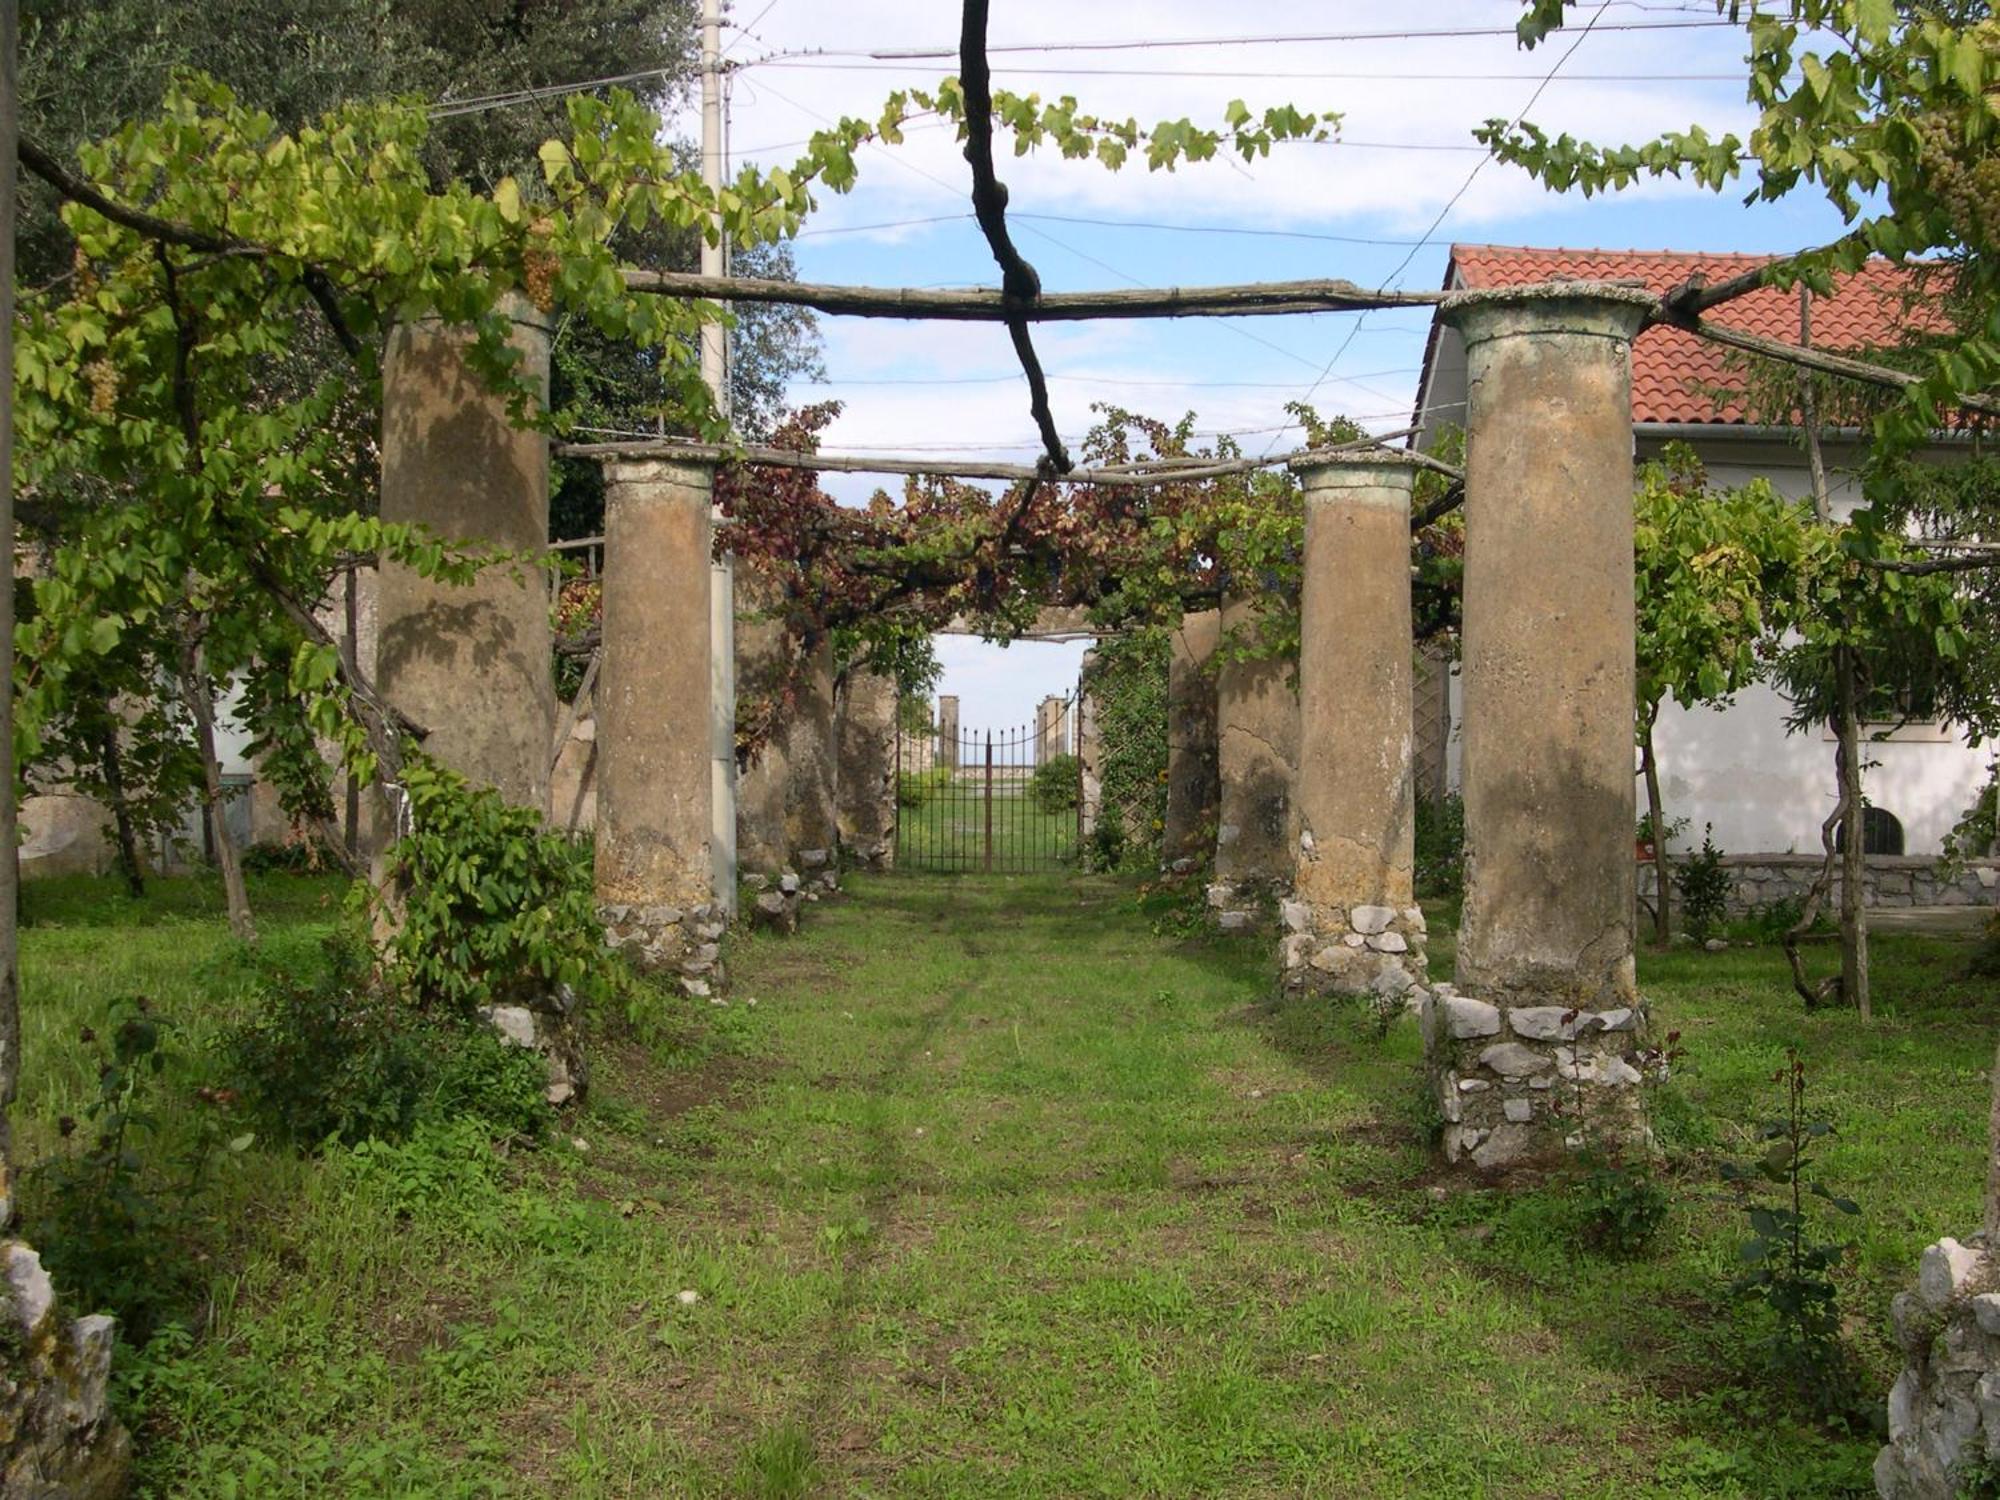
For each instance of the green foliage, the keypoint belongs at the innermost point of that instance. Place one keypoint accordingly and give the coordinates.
(916, 789)
(330, 1055)
(1440, 846)
(1054, 785)
(1791, 1273)
(109, 1221)
(298, 856)
(486, 905)
(1704, 886)
(1620, 1207)
(1719, 572)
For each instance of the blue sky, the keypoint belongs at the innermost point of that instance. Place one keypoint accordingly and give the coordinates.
(1363, 209)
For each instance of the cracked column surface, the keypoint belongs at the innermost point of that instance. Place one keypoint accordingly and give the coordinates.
(866, 779)
(1539, 1046)
(1353, 926)
(470, 663)
(655, 781)
(947, 722)
(811, 821)
(1188, 837)
(763, 655)
(1257, 746)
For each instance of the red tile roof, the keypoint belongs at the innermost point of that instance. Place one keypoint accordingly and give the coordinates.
(1674, 374)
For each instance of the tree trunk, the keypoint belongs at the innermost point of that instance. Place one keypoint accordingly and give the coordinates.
(194, 686)
(129, 864)
(1663, 926)
(1854, 857)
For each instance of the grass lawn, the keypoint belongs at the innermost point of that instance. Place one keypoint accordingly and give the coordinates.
(996, 1192)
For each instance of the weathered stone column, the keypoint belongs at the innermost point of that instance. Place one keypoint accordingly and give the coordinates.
(811, 823)
(866, 725)
(654, 774)
(1547, 768)
(1192, 789)
(471, 664)
(1354, 927)
(947, 720)
(1257, 734)
(1050, 740)
(1089, 750)
(762, 660)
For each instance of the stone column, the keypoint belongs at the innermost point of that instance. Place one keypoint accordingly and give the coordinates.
(654, 776)
(811, 824)
(947, 719)
(1354, 926)
(1537, 1049)
(1192, 789)
(471, 664)
(763, 851)
(865, 720)
(1257, 733)
(1089, 750)
(1050, 740)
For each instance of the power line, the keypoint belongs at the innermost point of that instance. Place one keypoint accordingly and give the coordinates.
(1147, 224)
(751, 29)
(1153, 44)
(1463, 188)
(950, 188)
(802, 62)
(1113, 380)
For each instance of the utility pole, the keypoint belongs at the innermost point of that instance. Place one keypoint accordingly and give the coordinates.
(722, 575)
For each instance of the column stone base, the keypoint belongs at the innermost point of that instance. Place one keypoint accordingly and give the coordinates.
(1374, 952)
(1518, 1084)
(670, 940)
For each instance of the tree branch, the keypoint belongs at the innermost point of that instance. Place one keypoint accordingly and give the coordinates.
(1018, 281)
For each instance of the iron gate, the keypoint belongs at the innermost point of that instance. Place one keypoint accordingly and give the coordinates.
(993, 801)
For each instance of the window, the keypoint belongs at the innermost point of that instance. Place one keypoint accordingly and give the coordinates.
(1881, 832)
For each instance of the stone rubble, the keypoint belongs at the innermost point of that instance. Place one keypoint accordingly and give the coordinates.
(1511, 1080)
(58, 1437)
(1944, 1409)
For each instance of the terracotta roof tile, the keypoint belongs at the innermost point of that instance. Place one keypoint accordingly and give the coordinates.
(1675, 374)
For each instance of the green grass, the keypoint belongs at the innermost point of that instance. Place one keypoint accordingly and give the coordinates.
(995, 1192)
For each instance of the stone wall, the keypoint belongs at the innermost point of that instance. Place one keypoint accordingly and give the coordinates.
(1893, 880)
(58, 1437)
(1944, 1409)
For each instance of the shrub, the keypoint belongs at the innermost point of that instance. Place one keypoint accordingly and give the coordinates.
(1620, 1207)
(1440, 846)
(1704, 888)
(1054, 784)
(332, 1055)
(914, 789)
(307, 855)
(489, 905)
(112, 1225)
(1791, 1272)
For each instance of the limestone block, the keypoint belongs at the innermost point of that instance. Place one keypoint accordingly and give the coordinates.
(1512, 1060)
(1466, 1018)
(1944, 1269)
(1369, 920)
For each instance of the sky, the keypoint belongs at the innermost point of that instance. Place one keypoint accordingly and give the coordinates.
(1380, 207)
